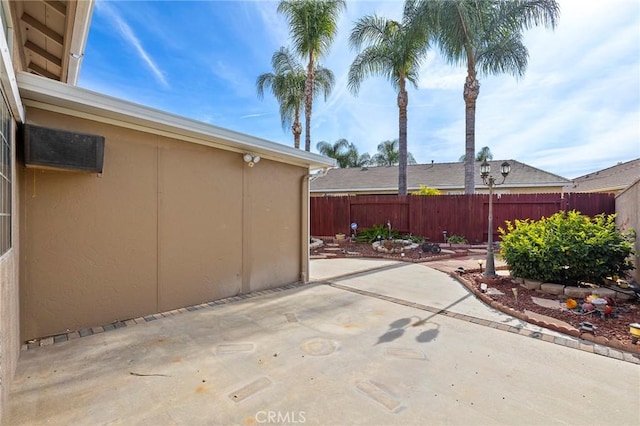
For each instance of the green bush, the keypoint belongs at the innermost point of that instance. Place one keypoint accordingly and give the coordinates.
(425, 190)
(413, 238)
(457, 239)
(567, 248)
(369, 235)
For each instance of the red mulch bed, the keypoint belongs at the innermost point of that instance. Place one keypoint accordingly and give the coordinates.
(612, 331)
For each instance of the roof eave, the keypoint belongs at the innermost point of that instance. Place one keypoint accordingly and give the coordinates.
(59, 97)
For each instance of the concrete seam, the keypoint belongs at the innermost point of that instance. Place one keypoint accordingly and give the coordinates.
(632, 358)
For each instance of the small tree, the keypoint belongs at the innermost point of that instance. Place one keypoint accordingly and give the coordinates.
(425, 190)
(567, 248)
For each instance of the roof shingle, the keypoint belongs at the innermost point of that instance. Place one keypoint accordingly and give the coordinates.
(445, 176)
(611, 179)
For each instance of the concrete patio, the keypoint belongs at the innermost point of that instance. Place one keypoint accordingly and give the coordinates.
(372, 342)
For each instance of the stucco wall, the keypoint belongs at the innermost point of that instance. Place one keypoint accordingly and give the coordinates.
(628, 216)
(168, 224)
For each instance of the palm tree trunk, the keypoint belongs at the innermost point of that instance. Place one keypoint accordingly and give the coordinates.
(308, 102)
(403, 101)
(296, 128)
(471, 91)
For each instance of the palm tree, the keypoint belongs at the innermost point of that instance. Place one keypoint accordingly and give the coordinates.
(483, 154)
(352, 157)
(344, 152)
(393, 50)
(389, 155)
(287, 82)
(335, 150)
(485, 36)
(287, 85)
(313, 25)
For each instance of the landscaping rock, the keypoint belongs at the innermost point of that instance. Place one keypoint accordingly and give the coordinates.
(546, 303)
(577, 292)
(550, 288)
(581, 293)
(623, 297)
(604, 292)
(531, 284)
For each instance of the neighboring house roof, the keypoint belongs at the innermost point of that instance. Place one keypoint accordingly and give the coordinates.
(443, 176)
(51, 95)
(611, 179)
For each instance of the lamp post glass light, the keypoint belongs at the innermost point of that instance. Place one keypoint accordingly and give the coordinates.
(490, 181)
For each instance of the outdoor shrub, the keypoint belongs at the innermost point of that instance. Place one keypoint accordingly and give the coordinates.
(369, 235)
(566, 248)
(457, 239)
(413, 238)
(425, 190)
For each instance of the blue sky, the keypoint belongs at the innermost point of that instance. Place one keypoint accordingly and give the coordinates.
(576, 110)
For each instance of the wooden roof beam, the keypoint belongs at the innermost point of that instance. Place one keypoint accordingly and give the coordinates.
(58, 6)
(42, 28)
(41, 52)
(43, 72)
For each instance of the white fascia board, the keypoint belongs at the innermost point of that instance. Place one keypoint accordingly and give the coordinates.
(81, 24)
(8, 80)
(59, 97)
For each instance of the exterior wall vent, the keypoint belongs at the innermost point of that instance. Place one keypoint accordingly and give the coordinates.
(58, 149)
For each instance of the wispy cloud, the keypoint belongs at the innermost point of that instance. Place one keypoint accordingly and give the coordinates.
(255, 115)
(575, 111)
(128, 35)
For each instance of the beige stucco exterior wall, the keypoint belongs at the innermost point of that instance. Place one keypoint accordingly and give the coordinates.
(628, 216)
(168, 224)
(275, 231)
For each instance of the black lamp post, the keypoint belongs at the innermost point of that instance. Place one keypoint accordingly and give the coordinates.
(490, 181)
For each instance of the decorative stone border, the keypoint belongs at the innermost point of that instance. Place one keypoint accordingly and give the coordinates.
(579, 292)
(71, 335)
(405, 245)
(315, 243)
(601, 340)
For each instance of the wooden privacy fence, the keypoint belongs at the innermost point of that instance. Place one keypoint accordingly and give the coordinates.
(429, 216)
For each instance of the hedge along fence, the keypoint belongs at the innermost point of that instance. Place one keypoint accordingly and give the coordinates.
(430, 215)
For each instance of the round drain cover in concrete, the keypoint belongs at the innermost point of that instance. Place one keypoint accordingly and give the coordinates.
(318, 346)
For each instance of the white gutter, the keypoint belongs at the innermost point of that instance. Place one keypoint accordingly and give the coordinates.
(81, 23)
(305, 231)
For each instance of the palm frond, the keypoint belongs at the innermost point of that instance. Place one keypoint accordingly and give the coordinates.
(369, 29)
(323, 82)
(506, 55)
